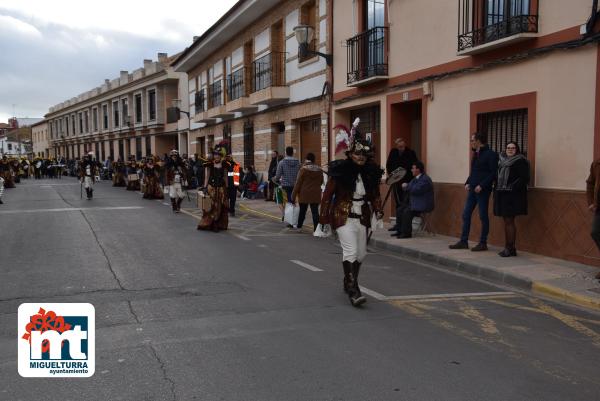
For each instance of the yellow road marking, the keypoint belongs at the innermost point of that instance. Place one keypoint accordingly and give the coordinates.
(568, 320)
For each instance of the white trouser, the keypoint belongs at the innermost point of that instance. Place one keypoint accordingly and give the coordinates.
(175, 190)
(353, 239)
(88, 182)
(1, 186)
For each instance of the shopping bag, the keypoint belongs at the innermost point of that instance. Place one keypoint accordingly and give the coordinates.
(322, 231)
(376, 224)
(291, 214)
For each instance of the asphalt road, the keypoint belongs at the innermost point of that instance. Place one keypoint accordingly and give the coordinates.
(258, 312)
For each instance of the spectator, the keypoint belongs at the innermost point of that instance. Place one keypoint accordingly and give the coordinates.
(270, 187)
(287, 171)
(308, 190)
(249, 185)
(484, 166)
(400, 156)
(510, 195)
(592, 188)
(421, 200)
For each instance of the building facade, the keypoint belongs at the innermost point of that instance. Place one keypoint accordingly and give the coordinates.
(40, 140)
(435, 71)
(248, 84)
(123, 117)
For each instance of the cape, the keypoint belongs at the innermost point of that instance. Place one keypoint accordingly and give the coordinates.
(345, 172)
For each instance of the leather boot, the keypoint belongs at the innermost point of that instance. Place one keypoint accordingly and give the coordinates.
(356, 298)
(91, 193)
(179, 200)
(174, 204)
(87, 192)
(347, 275)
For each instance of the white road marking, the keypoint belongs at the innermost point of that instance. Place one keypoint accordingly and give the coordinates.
(306, 265)
(166, 204)
(448, 296)
(374, 294)
(240, 236)
(69, 209)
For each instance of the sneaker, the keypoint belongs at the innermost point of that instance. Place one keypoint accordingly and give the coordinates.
(479, 247)
(459, 245)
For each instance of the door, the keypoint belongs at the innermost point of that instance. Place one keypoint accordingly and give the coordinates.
(310, 139)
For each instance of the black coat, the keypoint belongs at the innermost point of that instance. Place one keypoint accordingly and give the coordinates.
(513, 202)
(484, 167)
(404, 160)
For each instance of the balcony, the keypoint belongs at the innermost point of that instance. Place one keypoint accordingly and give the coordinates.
(268, 80)
(216, 106)
(367, 57)
(484, 26)
(238, 88)
(201, 115)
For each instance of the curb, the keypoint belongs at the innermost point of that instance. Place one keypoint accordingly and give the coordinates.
(565, 296)
(483, 272)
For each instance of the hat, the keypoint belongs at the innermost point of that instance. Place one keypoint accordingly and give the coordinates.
(174, 152)
(358, 143)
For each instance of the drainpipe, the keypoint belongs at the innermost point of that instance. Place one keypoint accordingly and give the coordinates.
(330, 75)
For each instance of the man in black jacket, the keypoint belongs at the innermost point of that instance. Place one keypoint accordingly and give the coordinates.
(400, 156)
(484, 166)
(270, 188)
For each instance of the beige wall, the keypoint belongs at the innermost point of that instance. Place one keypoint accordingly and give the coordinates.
(423, 33)
(39, 137)
(565, 86)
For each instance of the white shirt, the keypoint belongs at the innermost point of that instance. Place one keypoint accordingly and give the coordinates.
(359, 192)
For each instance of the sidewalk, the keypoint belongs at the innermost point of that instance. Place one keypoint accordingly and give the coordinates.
(556, 278)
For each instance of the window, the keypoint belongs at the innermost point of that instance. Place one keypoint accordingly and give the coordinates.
(308, 16)
(138, 108)
(73, 121)
(503, 127)
(227, 136)
(248, 144)
(374, 14)
(125, 111)
(105, 116)
(60, 124)
(67, 124)
(86, 121)
(152, 105)
(81, 123)
(95, 119)
(115, 114)
(199, 101)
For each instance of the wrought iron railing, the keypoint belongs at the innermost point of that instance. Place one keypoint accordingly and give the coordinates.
(199, 101)
(268, 71)
(215, 93)
(485, 22)
(367, 55)
(236, 84)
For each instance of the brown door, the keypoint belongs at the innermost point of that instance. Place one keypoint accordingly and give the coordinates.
(310, 139)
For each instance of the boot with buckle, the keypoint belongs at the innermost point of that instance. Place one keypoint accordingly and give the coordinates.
(356, 297)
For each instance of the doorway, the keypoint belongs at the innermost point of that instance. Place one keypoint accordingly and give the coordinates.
(310, 139)
(407, 123)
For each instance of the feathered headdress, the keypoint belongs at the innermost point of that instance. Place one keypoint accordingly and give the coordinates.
(221, 148)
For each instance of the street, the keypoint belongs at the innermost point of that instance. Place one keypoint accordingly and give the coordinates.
(258, 312)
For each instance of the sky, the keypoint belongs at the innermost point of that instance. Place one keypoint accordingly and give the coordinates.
(52, 50)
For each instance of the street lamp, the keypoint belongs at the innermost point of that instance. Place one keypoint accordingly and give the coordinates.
(304, 35)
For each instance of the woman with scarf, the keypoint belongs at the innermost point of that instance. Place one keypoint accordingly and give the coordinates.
(510, 195)
(351, 195)
(215, 187)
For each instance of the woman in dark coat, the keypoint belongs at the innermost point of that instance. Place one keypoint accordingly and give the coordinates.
(510, 195)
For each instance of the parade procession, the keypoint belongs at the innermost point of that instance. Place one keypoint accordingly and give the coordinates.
(300, 200)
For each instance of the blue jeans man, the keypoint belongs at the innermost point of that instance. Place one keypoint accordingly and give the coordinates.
(481, 201)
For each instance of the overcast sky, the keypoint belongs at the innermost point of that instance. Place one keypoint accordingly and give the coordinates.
(53, 50)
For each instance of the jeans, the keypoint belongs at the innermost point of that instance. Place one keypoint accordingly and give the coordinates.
(481, 201)
(288, 191)
(314, 210)
(596, 229)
